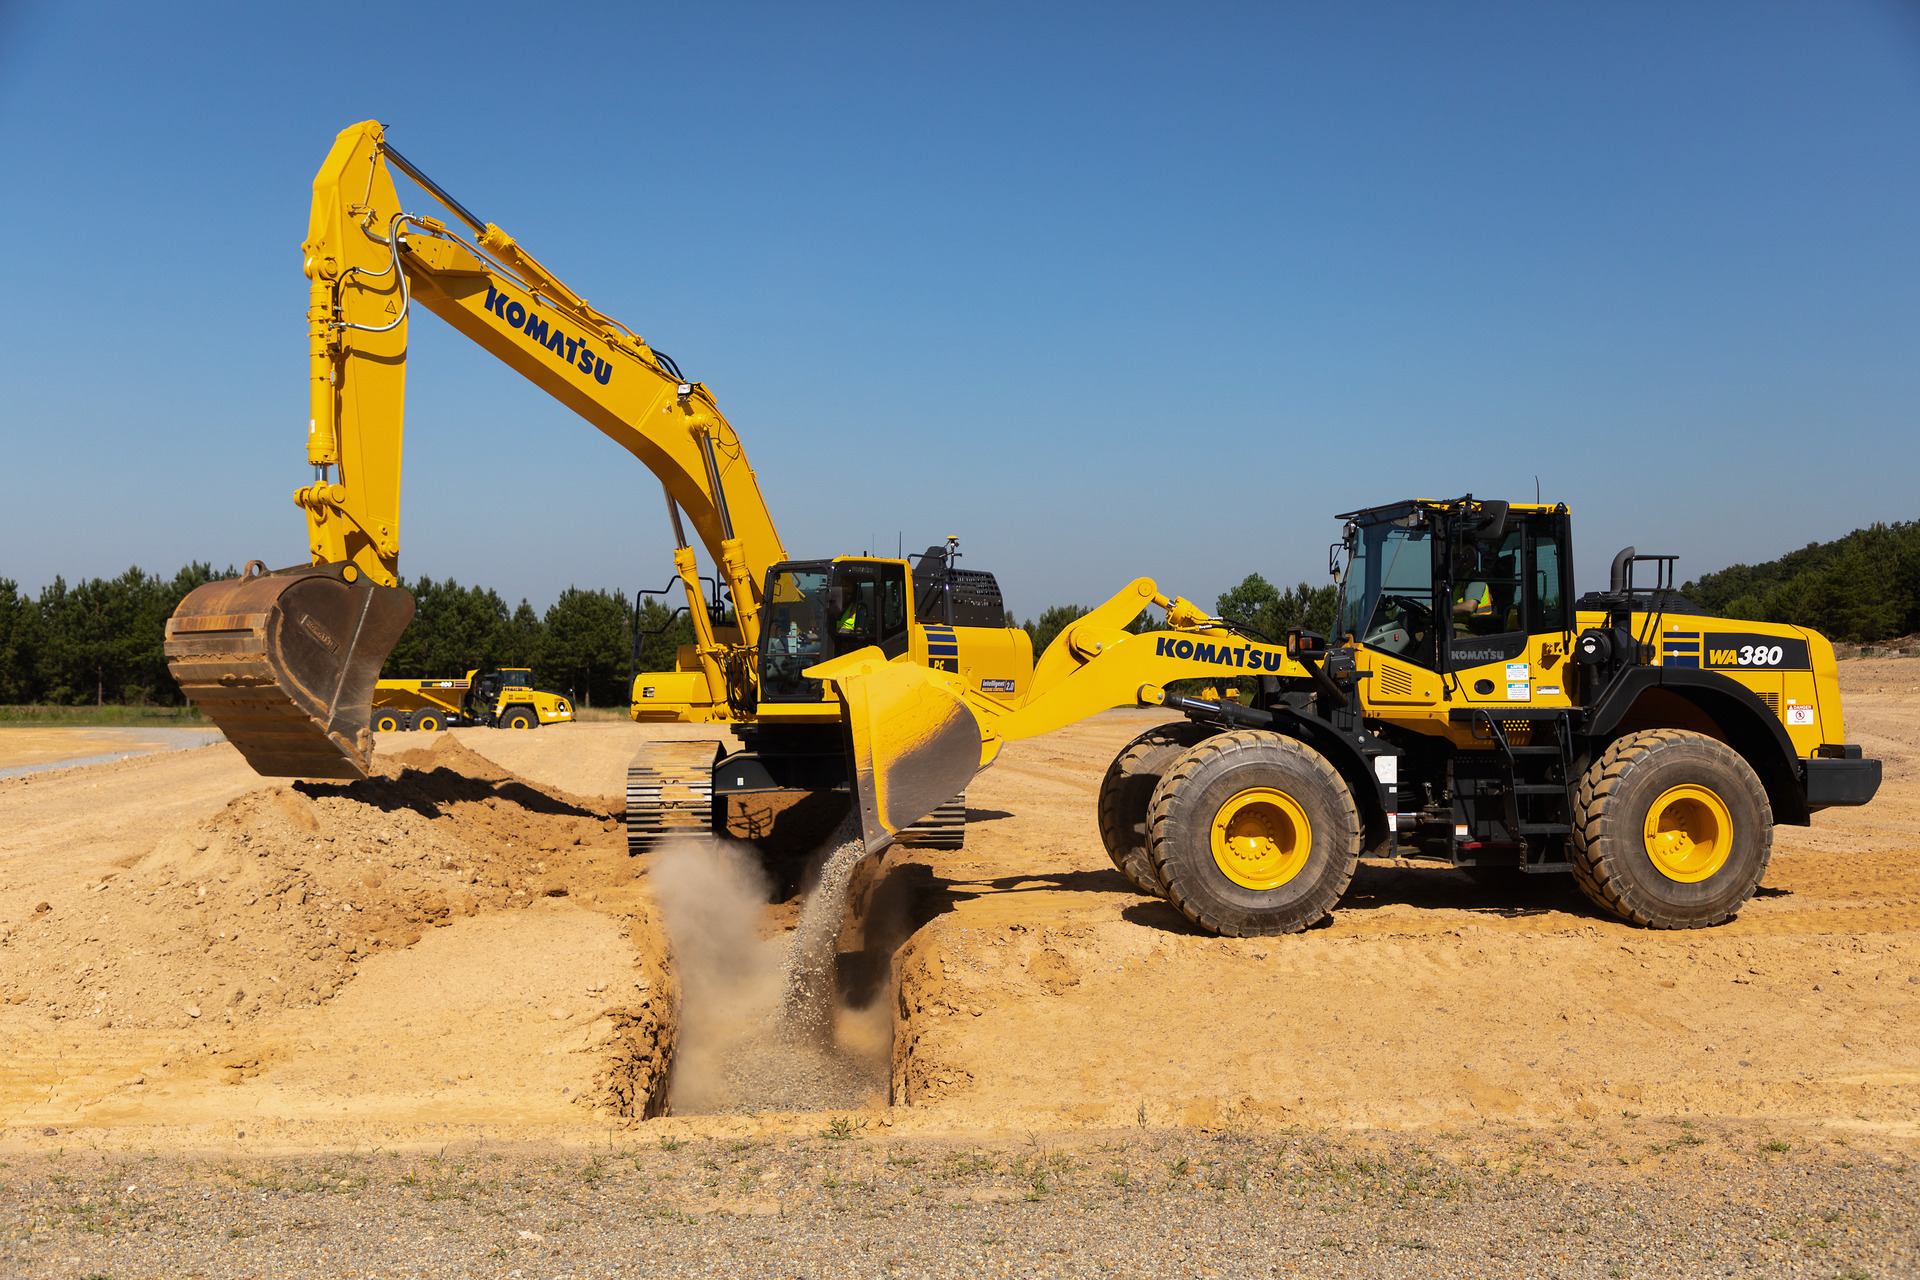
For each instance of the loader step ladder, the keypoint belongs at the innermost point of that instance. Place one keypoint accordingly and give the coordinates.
(1531, 809)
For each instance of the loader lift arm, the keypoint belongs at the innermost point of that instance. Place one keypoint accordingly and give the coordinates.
(284, 661)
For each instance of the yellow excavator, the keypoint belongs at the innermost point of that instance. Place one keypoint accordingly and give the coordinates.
(1472, 712)
(286, 661)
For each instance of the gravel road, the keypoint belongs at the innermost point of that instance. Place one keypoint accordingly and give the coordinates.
(1639, 1198)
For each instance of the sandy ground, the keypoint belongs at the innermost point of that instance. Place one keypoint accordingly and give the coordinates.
(1040, 990)
(459, 952)
(31, 750)
(197, 952)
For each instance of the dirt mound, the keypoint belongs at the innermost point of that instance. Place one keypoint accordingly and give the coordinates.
(273, 901)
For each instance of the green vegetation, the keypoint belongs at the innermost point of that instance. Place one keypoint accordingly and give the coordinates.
(97, 641)
(110, 716)
(1859, 589)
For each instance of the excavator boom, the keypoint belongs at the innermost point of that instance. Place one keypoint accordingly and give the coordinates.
(285, 661)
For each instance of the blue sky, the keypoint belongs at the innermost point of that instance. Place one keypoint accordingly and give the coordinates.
(1106, 290)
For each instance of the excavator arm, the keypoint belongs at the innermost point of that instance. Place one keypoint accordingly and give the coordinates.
(285, 661)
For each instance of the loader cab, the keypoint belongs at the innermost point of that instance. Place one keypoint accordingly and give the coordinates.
(820, 609)
(1454, 585)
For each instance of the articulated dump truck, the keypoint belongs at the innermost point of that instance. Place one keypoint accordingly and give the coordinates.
(1473, 713)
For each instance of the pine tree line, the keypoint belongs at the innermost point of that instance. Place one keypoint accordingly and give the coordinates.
(1859, 589)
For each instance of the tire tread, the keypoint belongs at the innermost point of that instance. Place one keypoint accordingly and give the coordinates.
(1596, 867)
(1191, 764)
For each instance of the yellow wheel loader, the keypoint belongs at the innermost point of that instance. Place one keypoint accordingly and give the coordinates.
(286, 661)
(1472, 712)
(503, 699)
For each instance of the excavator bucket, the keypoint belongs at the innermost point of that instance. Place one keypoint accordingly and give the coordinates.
(285, 663)
(915, 744)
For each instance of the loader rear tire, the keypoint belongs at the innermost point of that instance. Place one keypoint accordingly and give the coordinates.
(1671, 830)
(1126, 793)
(1253, 833)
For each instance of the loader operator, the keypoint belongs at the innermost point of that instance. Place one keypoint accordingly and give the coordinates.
(1472, 599)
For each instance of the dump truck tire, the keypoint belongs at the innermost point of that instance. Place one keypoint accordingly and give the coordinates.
(427, 722)
(520, 718)
(1126, 793)
(1253, 833)
(386, 722)
(1672, 830)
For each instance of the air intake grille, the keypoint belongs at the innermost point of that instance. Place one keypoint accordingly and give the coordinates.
(1394, 682)
(1773, 702)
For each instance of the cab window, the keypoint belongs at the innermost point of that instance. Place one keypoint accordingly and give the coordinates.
(892, 637)
(1505, 591)
(798, 624)
(1548, 611)
(1387, 595)
(857, 608)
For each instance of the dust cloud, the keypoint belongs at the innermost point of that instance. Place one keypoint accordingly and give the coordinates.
(747, 1042)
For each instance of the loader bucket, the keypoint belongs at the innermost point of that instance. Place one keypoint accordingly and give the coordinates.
(285, 664)
(915, 745)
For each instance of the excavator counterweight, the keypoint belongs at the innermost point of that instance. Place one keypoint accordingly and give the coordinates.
(285, 663)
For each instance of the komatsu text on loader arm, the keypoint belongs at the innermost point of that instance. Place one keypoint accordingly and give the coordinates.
(286, 660)
(1473, 712)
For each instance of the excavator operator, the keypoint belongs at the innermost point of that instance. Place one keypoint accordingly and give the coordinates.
(856, 622)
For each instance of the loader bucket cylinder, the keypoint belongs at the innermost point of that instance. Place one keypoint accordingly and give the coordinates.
(285, 664)
(914, 744)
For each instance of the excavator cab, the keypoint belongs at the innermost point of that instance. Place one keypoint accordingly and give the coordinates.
(820, 609)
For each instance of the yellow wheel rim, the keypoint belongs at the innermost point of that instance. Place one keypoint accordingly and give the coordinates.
(1261, 838)
(387, 724)
(1689, 833)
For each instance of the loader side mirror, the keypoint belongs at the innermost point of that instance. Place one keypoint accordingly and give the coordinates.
(1302, 643)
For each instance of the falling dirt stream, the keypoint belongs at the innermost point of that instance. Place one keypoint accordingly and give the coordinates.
(762, 1023)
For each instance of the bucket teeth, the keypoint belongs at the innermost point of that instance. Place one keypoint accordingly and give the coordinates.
(285, 664)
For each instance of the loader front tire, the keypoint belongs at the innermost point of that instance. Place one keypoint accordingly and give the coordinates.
(1671, 830)
(1253, 833)
(1126, 793)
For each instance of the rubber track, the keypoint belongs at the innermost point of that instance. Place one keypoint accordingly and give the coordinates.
(1182, 773)
(1595, 872)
